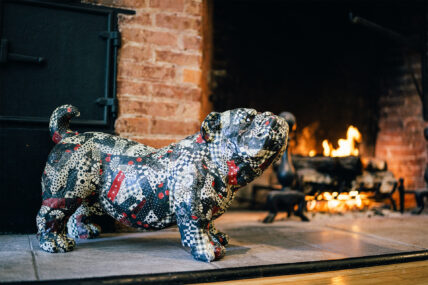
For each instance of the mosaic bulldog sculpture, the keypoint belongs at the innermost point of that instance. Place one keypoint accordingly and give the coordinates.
(190, 183)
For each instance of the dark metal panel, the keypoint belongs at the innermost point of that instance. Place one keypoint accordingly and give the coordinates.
(78, 67)
(21, 165)
(75, 66)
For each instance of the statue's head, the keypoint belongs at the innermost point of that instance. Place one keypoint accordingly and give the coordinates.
(247, 141)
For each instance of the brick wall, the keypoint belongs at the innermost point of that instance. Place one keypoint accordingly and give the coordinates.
(163, 84)
(400, 139)
(161, 88)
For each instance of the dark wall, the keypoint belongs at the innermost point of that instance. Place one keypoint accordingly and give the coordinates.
(306, 58)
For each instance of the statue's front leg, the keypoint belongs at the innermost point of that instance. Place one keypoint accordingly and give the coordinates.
(80, 223)
(195, 234)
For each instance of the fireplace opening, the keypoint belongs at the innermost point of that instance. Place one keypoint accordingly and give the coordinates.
(315, 60)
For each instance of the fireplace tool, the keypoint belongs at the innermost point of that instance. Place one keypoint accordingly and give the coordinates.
(287, 198)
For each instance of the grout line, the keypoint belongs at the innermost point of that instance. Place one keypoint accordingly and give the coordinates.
(33, 256)
(215, 265)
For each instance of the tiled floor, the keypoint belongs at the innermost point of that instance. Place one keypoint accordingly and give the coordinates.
(252, 243)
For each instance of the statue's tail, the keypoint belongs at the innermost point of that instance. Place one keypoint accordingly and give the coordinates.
(60, 121)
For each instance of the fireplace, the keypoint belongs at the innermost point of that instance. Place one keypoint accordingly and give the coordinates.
(180, 59)
(331, 64)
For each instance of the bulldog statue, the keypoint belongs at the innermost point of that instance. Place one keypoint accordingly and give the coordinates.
(190, 183)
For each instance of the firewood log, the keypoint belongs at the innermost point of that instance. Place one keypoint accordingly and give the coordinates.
(349, 166)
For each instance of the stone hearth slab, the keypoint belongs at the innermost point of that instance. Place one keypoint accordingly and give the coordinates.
(252, 243)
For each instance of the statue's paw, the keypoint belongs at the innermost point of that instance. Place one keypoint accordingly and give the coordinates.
(219, 250)
(86, 231)
(221, 238)
(206, 255)
(213, 251)
(52, 242)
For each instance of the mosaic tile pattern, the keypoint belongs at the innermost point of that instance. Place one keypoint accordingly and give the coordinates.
(190, 183)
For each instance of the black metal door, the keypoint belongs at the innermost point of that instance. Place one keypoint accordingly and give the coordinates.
(50, 54)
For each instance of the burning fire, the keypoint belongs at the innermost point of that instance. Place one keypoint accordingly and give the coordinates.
(346, 147)
(305, 142)
(337, 202)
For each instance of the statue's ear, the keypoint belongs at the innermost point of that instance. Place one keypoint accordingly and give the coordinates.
(210, 126)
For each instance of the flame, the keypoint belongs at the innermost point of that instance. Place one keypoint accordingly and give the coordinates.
(337, 203)
(305, 140)
(312, 152)
(346, 146)
(327, 147)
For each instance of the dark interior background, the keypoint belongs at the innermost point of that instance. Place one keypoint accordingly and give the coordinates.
(307, 58)
(77, 69)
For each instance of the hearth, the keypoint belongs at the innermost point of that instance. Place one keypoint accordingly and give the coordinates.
(333, 65)
(338, 184)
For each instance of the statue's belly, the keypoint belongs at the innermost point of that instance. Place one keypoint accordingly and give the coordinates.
(137, 201)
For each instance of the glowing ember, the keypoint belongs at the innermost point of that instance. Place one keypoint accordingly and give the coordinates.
(335, 202)
(346, 147)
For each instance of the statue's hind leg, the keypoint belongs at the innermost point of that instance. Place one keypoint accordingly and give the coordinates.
(51, 221)
(80, 224)
(69, 180)
(217, 235)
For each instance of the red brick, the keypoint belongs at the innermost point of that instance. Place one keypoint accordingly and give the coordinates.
(193, 8)
(391, 132)
(131, 3)
(192, 43)
(133, 88)
(149, 37)
(383, 139)
(141, 18)
(176, 92)
(132, 125)
(168, 5)
(391, 124)
(391, 101)
(173, 127)
(192, 76)
(400, 152)
(179, 111)
(413, 182)
(414, 173)
(410, 111)
(417, 144)
(178, 58)
(142, 71)
(148, 108)
(400, 139)
(135, 53)
(156, 143)
(414, 100)
(178, 22)
(415, 123)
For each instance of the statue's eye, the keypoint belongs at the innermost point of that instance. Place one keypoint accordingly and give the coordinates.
(248, 119)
